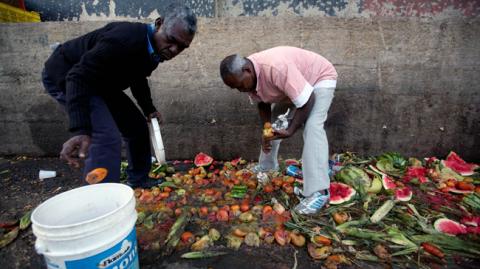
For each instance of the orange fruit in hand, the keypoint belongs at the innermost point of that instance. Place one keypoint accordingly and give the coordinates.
(96, 175)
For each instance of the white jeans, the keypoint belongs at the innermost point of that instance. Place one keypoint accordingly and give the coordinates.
(315, 149)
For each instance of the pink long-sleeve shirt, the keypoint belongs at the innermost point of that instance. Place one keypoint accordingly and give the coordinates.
(289, 73)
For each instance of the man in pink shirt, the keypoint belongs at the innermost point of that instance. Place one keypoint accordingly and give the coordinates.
(299, 78)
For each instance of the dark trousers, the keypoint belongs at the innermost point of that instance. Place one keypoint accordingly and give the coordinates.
(112, 119)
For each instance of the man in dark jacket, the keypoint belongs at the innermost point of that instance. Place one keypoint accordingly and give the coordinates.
(88, 75)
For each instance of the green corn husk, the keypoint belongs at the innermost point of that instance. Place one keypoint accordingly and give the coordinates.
(395, 236)
(364, 233)
(8, 237)
(167, 184)
(202, 254)
(179, 223)
(346, 225)
(366, 256)
(405, 251)
(25, 220)
(175, 232)
(455, 244)
(472, 200)
(382, 211)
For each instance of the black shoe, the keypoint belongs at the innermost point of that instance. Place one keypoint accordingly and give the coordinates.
(149, 183)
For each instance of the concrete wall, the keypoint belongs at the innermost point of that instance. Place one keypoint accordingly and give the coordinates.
(88, 10)
(407, 85)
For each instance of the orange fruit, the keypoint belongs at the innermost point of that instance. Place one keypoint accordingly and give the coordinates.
(267, 210)
(462, 185)
(322, 240)
(234, 208)
(187, 237)
(96, 175)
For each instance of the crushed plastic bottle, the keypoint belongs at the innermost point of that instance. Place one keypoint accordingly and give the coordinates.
(281, 123)
(294, 171)
(263, 178)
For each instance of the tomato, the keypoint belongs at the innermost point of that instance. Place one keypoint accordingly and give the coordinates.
(222, 215)
(187, 237)
(287, 188)
(244, 207)
(203, 211)
(268, 188)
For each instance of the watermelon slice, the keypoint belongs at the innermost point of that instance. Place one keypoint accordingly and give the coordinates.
(388, 183)
(340, 193)
(404, 194)
(236, 161)
(202, 159)
(458, 165)
(449, 227)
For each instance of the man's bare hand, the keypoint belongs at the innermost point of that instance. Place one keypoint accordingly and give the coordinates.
(75, 149)
(280, 134)
(266, 145)
(156, 115)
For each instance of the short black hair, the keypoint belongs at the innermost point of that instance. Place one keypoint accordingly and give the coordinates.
(232, 65)
(183, 13)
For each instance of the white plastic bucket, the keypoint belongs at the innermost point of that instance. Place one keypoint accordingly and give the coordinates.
(88, 227)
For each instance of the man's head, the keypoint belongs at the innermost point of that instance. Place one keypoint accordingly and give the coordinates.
(237, 72)
(175, 31)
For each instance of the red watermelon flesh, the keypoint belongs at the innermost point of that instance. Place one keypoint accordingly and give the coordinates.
(450, 227)
(388, 183)
(416, 172)
(340, 193)
(292, 162)
(471, 220)
(202, 159)
(473, 230)
(458, 165)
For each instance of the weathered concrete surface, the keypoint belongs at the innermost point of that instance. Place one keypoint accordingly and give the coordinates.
(407, 85)
(88, 10)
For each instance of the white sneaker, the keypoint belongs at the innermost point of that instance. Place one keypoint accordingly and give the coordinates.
(312, 204)
(298, 192)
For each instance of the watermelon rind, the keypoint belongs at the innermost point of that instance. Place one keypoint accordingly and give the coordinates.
(460, 166)
(404, 194)
(355, 177)
(454, 190)
(376, 186)
(388, 183)
(455, 228)
(335, 200)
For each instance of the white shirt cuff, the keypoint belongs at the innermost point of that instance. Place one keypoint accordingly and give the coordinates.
(302, 99)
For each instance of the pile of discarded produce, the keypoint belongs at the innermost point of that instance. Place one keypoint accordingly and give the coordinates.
(384, 209)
